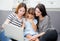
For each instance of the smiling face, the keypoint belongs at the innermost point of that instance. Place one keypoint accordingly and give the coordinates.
(37, 12)
(21, 11)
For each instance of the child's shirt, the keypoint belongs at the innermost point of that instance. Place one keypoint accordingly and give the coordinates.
(29, 29)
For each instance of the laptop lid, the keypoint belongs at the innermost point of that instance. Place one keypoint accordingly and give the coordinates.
(14, 32)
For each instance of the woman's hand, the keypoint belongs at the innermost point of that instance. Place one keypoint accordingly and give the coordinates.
(6, 22)
(34, 37)
(31, 20)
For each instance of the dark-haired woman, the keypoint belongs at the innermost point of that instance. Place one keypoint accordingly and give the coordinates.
(46, 31)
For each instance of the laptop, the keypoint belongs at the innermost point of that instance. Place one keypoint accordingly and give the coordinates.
(14, 32)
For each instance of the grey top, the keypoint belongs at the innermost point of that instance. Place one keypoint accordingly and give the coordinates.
(45, 24)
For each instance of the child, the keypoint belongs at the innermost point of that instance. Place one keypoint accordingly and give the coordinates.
(30, 25)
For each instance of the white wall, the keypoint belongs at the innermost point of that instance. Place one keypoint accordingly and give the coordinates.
(51, 3)
(6, 4)
(47, 3)
(31, 3)
(16, 2)
(9, 4)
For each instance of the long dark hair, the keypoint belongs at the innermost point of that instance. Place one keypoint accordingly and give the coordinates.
(42, 8)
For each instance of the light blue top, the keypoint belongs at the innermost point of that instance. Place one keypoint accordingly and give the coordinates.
(29, 29)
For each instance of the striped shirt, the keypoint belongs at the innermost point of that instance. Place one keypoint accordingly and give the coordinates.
(14, 20)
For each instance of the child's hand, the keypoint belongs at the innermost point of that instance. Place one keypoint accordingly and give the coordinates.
(33, 38)
(31, 20)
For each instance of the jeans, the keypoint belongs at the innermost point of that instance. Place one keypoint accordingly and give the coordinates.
(3, 37)
(50, 35)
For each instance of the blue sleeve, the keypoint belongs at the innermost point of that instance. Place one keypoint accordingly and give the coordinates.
(35, 21)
